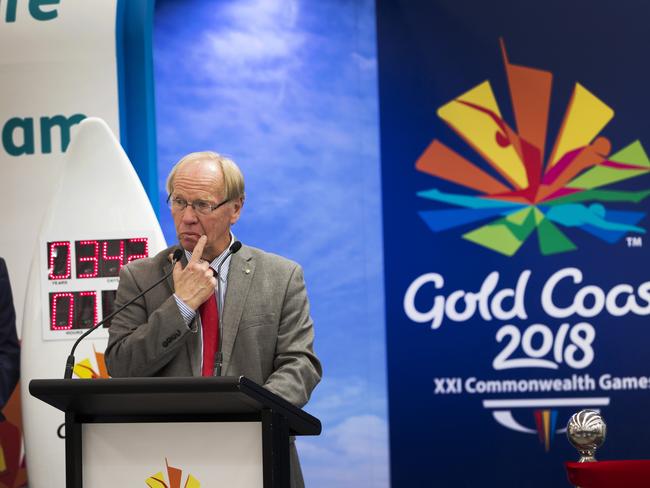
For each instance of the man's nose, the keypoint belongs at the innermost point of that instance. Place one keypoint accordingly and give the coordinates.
(189, 215)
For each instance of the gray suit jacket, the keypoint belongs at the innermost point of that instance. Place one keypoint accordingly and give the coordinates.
(267, 330)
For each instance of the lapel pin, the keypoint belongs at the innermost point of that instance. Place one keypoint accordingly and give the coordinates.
(247, 271)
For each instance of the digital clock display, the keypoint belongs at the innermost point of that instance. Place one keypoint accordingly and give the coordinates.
(82, 279)
(102, 259)
(108, 305)
(58, 257)
(73, 310)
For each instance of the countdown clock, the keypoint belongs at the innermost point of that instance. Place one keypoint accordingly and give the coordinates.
(98, 221)
(81, 278)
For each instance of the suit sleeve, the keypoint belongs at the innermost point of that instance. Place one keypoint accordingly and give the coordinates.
(9, 346)
(143, 341)
(297, 370)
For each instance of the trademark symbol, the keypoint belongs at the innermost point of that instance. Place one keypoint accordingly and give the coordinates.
(634, 241)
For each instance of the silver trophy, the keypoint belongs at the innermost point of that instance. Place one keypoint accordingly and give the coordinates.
(586, 431)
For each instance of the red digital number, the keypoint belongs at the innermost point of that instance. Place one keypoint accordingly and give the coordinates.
(94, 295)
(118, 257)
(133, 257)
(94, 259)
(55, 303)
(53, 251)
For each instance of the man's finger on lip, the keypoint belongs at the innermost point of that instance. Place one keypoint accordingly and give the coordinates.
(198, 249)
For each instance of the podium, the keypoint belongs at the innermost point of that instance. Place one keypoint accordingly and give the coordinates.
(222, 431)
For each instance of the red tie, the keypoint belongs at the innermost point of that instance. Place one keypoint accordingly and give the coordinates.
(210, 329)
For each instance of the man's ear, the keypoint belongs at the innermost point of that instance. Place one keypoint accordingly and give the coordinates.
(236, 213)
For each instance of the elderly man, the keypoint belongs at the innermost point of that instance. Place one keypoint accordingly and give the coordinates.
(172, 331)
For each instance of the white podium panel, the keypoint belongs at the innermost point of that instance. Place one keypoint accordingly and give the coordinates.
(192, 454)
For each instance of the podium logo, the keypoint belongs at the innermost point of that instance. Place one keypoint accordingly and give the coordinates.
(521, 187)
(174, 477)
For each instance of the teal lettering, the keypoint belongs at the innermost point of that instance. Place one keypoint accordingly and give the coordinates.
(11, 11)
(38, 13)
(35, 10)
(27, 127)
(64, 124)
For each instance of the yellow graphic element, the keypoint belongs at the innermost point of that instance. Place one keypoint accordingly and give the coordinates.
(475, 116)
(156, 481)
(585, 117)
(546, 420)
(84, 369)
(174, 475)
(3, 461)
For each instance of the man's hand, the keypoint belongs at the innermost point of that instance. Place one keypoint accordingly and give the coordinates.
(195, 283)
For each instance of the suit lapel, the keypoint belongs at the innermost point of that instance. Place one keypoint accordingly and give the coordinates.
(240, 277)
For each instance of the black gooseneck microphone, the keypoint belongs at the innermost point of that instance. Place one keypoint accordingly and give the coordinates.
(69, 365)
(218, 357)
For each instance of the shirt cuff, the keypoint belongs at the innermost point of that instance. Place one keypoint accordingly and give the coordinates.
(187, 313)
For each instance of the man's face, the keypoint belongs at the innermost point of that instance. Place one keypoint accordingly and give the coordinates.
(203, 180)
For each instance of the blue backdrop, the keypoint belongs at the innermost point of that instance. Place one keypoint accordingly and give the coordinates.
(288, 89)
(486, 255)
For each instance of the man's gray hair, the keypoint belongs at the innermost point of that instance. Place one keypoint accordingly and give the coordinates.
(233, 178)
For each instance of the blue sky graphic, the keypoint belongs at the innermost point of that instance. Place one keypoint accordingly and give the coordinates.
(288, 89)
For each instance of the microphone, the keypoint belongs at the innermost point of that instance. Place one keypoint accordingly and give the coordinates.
(218, 358)
(69, 365)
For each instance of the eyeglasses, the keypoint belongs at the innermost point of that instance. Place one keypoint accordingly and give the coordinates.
(200, 206)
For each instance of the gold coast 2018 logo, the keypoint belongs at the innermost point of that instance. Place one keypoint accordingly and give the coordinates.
(524, 190)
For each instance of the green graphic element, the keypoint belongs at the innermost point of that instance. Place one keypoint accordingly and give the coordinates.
(602, 196)
(505, 235)
(551, 239)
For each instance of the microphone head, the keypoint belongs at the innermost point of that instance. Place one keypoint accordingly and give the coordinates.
(236, 246)
(178, 254)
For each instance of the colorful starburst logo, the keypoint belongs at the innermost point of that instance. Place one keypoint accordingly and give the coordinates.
(520, 190)
(174, 476)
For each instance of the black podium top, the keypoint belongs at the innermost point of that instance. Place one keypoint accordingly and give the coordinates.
(169, 399)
